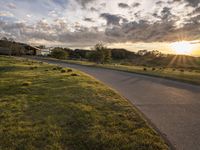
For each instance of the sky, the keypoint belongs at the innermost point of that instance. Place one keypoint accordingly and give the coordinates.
(130, 24)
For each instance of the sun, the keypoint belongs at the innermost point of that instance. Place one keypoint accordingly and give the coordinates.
(182, 47)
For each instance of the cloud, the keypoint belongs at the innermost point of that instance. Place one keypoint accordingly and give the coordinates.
(134, 5)
(145, 31)
(123, 5)
(192, 3)
(160, 3)
(83, 3)
(6, 14)
(11, 6)
(89, 20)
(112, 19)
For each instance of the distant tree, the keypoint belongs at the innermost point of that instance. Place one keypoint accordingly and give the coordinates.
(107, 56)
(142, 52)
(11, 46)
(17, 49)
(101, 54)
(59, 53)
(41, 46)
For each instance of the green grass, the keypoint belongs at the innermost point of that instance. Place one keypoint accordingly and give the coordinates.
(42, 107)
(188, 75)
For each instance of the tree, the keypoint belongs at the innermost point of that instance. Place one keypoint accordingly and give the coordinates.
(102, 54)
(12, 45)
(59, 53)
(17, 49)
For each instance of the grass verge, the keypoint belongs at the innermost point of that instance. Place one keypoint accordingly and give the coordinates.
(44, 107)
(188, 76)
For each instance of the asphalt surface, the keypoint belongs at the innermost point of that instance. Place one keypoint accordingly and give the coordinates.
(173, 107)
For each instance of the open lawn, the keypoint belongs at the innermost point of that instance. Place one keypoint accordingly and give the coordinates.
(47, 107)
(180, 74)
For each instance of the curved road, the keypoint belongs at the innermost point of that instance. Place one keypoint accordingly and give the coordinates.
(173, 107)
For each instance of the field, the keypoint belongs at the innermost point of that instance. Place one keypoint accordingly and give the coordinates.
(48, 107)
(188, 75)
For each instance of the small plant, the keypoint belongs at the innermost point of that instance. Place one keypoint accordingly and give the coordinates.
(54, 68)
(153, 69)
(74, 74)
(46, 70)
(26, 83)
(173, 69)
(34, 67)
(181, 70)
(145, 69)
(59, 68)
(69, 70)
(63, 71)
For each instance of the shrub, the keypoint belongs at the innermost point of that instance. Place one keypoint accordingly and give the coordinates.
(74, 74)
(59, 53)
(181, 70)
(26, 83)
(63, 71)
(173, 69)
(59, 68)
(32, 68)
(153, 69)
(145, 69)
(69, 70)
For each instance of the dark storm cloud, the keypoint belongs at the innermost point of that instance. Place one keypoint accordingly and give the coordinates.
(112, 19)
(123, 5)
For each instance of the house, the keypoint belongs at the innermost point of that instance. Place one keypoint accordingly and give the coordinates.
(45, 52)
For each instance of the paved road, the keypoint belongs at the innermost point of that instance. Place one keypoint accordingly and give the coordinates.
(173, 107)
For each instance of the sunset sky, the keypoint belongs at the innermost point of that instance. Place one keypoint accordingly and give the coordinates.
(130, 24)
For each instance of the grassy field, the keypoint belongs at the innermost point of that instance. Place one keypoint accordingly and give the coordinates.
(185, 75)
(47, 107)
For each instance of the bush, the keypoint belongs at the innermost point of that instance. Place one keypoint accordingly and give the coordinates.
(153, 69)
(59, 53)
(69, 70)
(63, 71)
(145, 69)
(181, 70)
(59, 68)
(26, 83)
(32, 68)
(74, 74)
